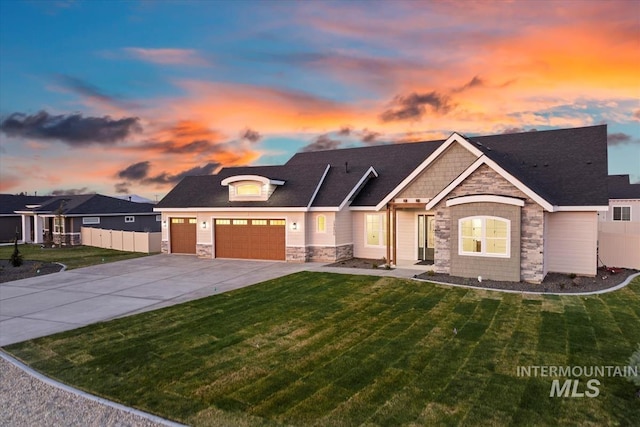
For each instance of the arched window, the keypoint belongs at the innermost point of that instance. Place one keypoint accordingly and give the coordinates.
(484, 236)
(321, 224)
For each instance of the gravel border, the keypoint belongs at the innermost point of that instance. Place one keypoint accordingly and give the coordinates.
(30, 399)
(514, 291)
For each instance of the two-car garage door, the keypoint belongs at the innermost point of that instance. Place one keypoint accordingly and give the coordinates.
(234, 238)
(250, 238)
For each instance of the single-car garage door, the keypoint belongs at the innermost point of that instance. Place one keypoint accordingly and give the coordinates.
(250, 238)
(183, 235)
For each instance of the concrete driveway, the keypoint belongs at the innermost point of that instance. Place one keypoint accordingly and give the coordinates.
(40, 306)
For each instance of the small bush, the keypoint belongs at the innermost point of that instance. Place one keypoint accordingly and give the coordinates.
(634, 363)
(431, 273)
(573, 276)
(16, 256)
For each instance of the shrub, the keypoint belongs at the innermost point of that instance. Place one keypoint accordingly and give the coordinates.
(573, 276)
(431, 273)
(634, 364)
(16, 256)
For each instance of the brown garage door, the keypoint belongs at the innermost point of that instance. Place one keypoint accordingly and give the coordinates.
(183, 235)
(250, 238)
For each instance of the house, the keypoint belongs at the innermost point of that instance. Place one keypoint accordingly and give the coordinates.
(59, 218)
(10, 221)
(619, 226)
(504, 207)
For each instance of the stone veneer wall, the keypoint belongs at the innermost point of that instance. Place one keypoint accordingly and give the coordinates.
(204, 250)
(486, 181)
(296, 254)
(164, 247)
(329, 253)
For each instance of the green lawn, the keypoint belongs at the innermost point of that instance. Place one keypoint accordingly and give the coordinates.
(338, 350)
(71, 256)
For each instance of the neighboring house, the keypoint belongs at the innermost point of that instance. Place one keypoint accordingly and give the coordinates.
(504, 207)
(10, 221)
(619, 226)
(59, 218)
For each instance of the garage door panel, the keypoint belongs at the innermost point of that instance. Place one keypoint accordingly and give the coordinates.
(250, 239)
(183, 235)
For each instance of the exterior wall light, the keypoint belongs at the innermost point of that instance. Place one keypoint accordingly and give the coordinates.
(204, 225)
(164, 223)
(294, 226)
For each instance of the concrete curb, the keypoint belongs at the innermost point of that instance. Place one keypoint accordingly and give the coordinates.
(86, 395)
(602, 291)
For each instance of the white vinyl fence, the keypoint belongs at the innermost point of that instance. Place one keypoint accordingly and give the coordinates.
(619, 244)
(131, 241)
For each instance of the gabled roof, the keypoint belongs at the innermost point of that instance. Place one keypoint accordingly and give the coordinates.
(567, 167)
(9, 203)
(560, 168)
(88, 204)
(392, 162)
(620, 187)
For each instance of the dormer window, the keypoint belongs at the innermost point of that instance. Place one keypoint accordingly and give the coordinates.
(250, 187)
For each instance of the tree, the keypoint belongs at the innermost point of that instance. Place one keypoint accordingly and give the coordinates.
(16, 256)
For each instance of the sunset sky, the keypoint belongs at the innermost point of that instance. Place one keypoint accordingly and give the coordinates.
(127, 97)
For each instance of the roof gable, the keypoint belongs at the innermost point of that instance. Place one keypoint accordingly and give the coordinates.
(621, 188)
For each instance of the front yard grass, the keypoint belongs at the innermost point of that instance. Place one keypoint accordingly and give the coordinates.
(71, 256)
(337, 350)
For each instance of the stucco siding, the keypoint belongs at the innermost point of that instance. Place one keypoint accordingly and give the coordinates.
(343, 227)
(572, 242)
(440, 173)
(495, 268)
(360, 250)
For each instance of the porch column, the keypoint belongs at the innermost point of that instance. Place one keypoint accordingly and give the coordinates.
(388, 240)
(395, 239)
(38, 225)
(26, 229)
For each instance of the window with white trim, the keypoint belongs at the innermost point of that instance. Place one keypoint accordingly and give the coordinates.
(87, 220)
(58, 225)
(129, 219)
(622, 213)
(375, 229)
(484, 236)
(321, 224)
(248, 189)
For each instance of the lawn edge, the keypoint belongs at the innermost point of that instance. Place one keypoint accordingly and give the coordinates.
(101, 400)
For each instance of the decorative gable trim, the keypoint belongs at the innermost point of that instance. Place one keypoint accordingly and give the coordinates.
(258, 178)
(264, 186)
(484, 160)
(490, 198)
(454, 138)
(353, 193)
(315, 193)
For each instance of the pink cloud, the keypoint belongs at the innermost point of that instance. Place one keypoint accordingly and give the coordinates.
(167, 56)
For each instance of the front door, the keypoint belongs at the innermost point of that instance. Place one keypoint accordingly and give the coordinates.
(426, 237)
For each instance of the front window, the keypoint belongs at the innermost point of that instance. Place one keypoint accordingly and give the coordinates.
(58, 225)
(321, 224)
(484, 236)
(622, 213)
(376, 229)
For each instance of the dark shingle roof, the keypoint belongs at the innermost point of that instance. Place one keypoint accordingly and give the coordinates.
(90, 204)
(567, 167)
(393, 163)
(9, 203)
(620, 187)
(207, 190)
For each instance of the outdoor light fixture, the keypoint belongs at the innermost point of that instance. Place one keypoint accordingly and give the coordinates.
(164, 223)
(204, 225)
(294, 226)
